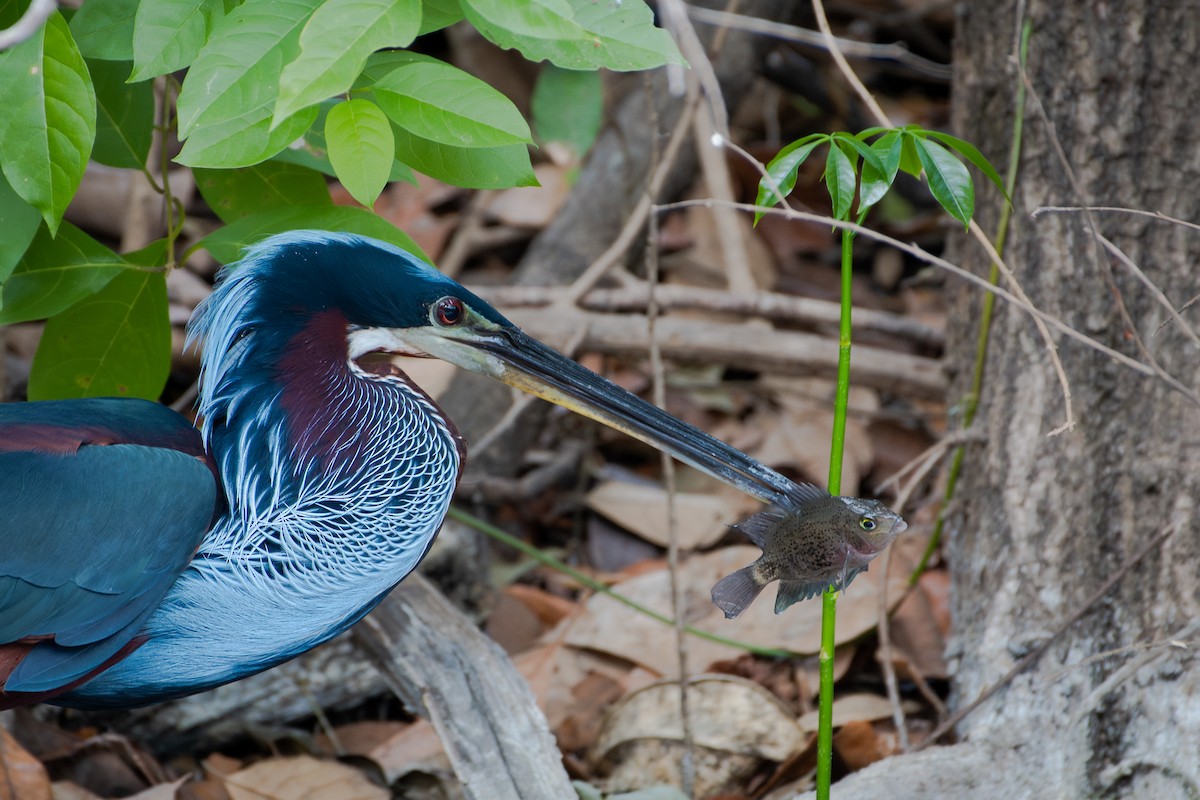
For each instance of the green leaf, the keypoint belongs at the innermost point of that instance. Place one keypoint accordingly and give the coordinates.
(783, 169)
(19, 222)
(125, 116)
(49, 118)
(361, 148)
(168, 34)
(949, 180)
(103, 29)
(576, 34)
(334, 46)
(874, 183)
(436, 101)
(910, 161)
(311, 151)
(972, 154)
(227, 101)
(568, 106)
(116, 343)
(227, 243)
(438, 14)
(228, 145)
(839, 180)
(55, 273)
(470, 167)
(236, 193)
(852, 145)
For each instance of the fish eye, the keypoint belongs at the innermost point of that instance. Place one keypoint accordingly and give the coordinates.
(448, 312)
(867, 524)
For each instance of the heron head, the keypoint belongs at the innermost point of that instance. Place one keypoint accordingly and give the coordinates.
(360, 296)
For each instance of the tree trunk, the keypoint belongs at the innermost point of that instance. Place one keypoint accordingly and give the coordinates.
(1041, 521)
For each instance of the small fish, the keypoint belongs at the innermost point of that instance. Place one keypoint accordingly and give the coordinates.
(811, 541)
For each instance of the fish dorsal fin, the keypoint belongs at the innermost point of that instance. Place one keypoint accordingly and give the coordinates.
(804, 493)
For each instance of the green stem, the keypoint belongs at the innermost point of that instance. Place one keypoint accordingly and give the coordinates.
(596, 586)
(829, 599)
(971, 403)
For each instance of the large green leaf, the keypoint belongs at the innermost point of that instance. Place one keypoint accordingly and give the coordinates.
(48, 122)
(225, 107)
(168, 34)
(236, 193)
(438, 14)
(125, 116)
(875, 182)
(361, 148)
(839, 180)
(472, 167)
(104, 28)
(227, 243)
(55, 273)
(576, 34)
(115, 343)
(949, 181)
(972, 154)
(335, 44)
(783, 169)
(311, 150)
(436, 101)
(568, 106)
(19, 222)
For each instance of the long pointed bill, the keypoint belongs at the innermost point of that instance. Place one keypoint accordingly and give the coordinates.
(533, 367)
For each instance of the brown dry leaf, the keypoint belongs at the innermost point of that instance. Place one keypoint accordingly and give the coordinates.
(737, 726)
(608, 626)
(920, 626)
(858, 707)
(550, 609)
(68, 790)
(701, 519)
(513, 625)
(22, 777)
(859, 745)
(533, 206)
(358, 738)
(554, 672)
(726, 713)
(302, 778)
(416, 748)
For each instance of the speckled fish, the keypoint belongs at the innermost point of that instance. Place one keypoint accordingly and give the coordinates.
(811, 541)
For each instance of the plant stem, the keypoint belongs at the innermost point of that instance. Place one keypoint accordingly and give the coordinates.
(829, 599)
(596, 586)
(971, 402)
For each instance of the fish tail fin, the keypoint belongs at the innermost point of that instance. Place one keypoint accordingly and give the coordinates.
(736, 591)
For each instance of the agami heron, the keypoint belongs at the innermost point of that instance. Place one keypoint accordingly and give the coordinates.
(142, 560)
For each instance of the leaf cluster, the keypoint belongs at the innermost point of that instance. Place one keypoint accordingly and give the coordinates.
(268, 97)
(854, 166)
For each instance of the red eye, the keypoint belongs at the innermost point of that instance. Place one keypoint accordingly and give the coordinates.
(449, 311)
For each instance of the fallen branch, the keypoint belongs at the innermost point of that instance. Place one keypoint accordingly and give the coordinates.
(745, 346)
(766, 305)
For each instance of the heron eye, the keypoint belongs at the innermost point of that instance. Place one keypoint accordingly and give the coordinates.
(449, 311)
(867, 524)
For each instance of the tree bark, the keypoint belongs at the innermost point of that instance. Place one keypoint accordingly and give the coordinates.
(1041, 521)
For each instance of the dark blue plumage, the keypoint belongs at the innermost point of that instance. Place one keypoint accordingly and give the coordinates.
(141, 560)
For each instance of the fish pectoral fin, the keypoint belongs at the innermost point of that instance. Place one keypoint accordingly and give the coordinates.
(736, 591)
(792, 592)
